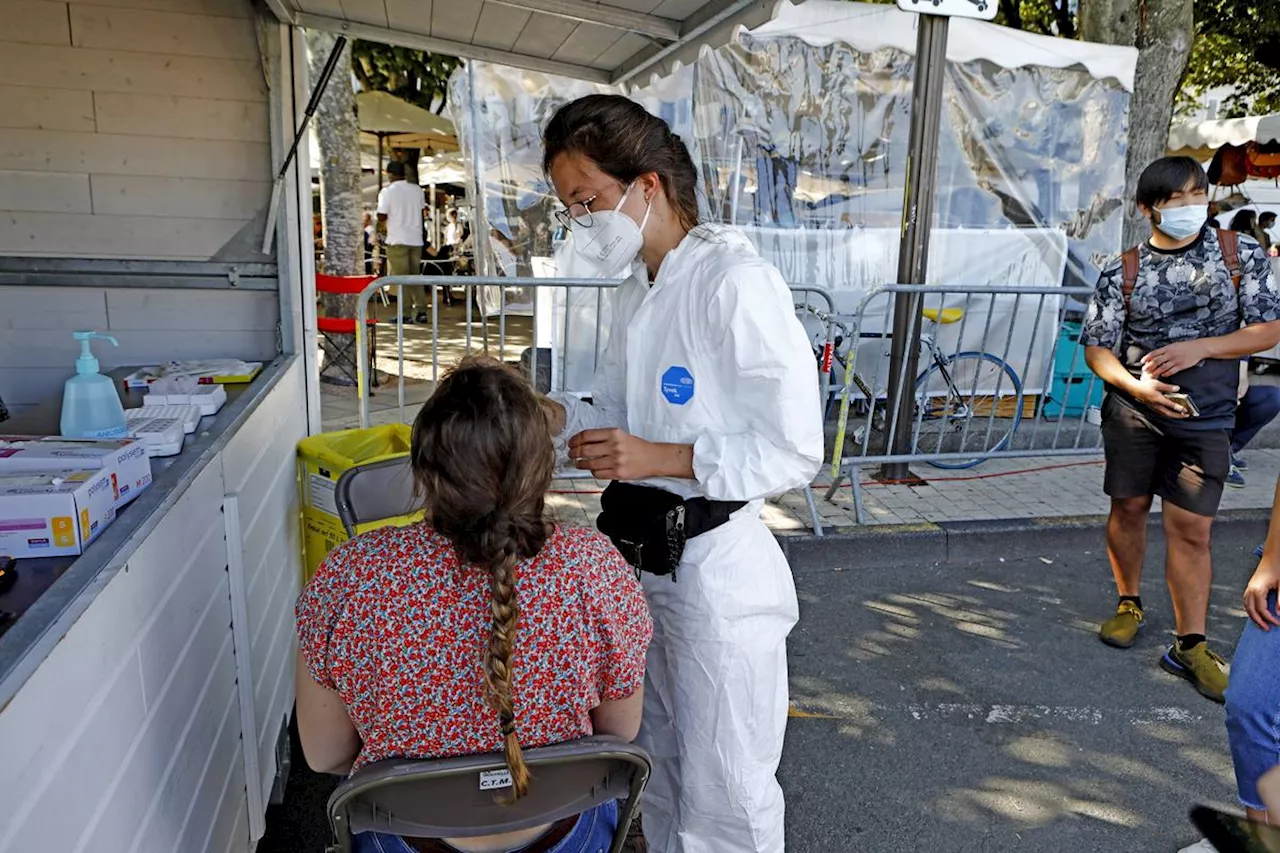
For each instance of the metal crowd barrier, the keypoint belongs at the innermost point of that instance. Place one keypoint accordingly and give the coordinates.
(1000, 374)
(811, 295)
(824, 342)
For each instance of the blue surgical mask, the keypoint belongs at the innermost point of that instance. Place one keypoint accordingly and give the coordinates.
(1182, 222)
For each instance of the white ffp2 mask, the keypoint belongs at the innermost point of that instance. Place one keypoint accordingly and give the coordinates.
(1182, 222)
(613, 240)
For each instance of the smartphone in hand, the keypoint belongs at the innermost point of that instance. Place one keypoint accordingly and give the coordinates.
(1185, 403)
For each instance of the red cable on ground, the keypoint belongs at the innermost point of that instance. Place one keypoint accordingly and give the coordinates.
(907, 482)
(981, 476)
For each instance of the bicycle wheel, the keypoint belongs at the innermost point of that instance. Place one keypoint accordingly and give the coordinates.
(970, 402)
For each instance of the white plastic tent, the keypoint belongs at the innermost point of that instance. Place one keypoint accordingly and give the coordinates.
(866, 27)
(1200, 139)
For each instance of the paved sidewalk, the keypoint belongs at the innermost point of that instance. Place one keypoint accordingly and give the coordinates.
(995, 490)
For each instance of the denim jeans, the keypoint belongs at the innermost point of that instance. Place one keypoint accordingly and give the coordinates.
(1257, 408)
(593, 834)
(1253, 708)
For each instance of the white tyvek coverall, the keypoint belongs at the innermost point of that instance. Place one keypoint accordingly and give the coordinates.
(715, 703)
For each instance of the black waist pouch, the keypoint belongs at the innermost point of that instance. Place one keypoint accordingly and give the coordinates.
(650, 526)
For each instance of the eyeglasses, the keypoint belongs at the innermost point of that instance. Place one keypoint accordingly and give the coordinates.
(577, 213)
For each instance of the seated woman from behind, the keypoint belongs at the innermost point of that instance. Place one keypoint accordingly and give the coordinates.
(484, 628)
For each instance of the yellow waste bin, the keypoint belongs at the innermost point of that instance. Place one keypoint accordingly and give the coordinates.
(321, 461)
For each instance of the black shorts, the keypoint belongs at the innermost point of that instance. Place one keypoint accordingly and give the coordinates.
(1186, 467)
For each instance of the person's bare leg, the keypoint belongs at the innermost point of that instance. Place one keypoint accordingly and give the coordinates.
(1127, 541)
(1188, 569)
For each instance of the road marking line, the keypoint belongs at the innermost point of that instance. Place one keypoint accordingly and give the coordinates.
(1001, 714)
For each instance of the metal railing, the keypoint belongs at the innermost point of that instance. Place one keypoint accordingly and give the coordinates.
(468, 284)
(810, 296)
(1000, 376)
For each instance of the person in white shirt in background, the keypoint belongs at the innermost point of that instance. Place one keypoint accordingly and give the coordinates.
(400, 207)
(452, 228)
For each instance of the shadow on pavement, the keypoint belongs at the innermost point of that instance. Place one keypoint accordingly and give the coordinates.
(971, 708)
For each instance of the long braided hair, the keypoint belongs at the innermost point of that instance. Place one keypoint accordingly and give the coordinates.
(483, 459)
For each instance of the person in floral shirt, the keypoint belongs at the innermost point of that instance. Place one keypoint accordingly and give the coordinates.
(1172, 317)
(485, 628)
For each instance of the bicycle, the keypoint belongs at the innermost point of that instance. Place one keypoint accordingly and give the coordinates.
(950, 394)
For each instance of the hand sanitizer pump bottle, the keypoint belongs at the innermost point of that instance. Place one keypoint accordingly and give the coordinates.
(90, 405)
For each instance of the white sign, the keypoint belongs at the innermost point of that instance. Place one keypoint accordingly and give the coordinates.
(983, 10)
(491, 780)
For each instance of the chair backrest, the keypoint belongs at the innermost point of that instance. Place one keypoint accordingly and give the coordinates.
(349, 284)
(456, 797)
(376, 491)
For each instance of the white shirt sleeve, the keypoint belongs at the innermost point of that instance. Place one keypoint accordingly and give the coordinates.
(608, 408)
(769, 375)
(382, 202)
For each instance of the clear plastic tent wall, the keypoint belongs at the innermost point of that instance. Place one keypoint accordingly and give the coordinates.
(803, 146)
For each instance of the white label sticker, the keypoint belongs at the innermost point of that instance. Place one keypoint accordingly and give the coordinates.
(322, 494)
(491, 780)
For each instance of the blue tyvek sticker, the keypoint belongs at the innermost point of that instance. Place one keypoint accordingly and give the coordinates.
(677, 385)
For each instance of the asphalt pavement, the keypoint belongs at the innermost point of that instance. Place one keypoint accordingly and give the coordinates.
(967, 706)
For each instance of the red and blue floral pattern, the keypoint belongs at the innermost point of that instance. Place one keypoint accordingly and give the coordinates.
(398, 626)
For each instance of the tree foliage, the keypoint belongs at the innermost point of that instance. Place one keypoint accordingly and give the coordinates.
(412, 75)
(1237, 45)
(1045, 17)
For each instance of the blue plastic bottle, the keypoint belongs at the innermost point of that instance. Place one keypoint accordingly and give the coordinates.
(90, 405)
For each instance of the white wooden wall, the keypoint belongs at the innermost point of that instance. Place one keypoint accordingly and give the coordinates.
(128, 737)
(259, 466)
(130, 128)
(37, 353)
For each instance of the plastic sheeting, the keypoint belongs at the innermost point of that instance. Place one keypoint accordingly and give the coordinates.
(794, 135)
(804, 146)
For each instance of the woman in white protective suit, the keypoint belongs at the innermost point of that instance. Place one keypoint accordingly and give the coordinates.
(705, 403)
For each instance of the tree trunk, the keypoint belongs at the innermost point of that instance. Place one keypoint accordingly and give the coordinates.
(341, 211)
(1162, 30)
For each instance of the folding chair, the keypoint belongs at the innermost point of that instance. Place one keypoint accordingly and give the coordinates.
(454, 797)
(375, 491)
(344, 358)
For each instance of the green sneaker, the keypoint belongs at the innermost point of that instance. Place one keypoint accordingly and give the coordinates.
(1121, 630)
(1203, 668)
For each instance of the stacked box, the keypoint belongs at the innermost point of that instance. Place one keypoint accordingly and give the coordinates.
(124, 459)
(1074, 388)
(53, 513)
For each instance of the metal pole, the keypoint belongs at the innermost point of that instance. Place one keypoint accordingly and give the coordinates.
(273, 207)
(435, 224)
(917, 219)
(479, 221)
(380, 167)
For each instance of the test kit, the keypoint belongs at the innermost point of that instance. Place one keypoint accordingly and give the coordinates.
(53, 513)
(124, 459)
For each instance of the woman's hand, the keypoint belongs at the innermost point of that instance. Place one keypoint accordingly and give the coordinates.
(614, 454)
(1265, 580)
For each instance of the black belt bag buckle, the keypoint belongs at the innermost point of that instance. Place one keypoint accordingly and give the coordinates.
(646, 525)
(650, 527)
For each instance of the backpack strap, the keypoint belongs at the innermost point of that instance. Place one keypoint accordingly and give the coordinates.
(1129, 272)
(1229, 242)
